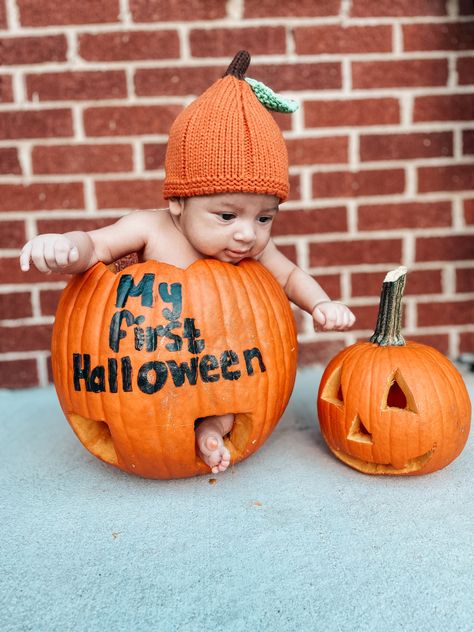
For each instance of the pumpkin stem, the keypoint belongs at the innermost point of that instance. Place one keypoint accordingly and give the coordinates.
(238, 66)
(388, 329)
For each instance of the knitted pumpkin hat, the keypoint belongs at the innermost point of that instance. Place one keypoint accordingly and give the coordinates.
(227, 141)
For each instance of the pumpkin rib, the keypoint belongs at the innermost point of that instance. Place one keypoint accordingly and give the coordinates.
(269, 387)
(454, 399)
(261, 428)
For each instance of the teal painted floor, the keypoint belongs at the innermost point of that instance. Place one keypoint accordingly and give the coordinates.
(289, 540)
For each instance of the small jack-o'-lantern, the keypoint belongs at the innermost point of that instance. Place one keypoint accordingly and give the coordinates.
(138, 356)
(393, 407)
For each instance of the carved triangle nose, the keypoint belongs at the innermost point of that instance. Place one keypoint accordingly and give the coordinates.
(358, 432)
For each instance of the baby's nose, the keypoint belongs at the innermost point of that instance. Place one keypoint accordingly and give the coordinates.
(245, 233)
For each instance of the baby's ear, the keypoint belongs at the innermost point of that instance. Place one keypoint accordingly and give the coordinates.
(176, 205)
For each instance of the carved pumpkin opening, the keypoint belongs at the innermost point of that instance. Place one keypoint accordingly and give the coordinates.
(358, 432)
(333, 390)
(237, 440)
(398, 395)
(96, 436)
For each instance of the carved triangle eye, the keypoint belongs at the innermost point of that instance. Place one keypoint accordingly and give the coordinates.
(358, 432)
(398, 394)
(332, 391)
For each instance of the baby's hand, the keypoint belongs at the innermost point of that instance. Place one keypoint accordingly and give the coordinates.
(50, 253)
(328, 315)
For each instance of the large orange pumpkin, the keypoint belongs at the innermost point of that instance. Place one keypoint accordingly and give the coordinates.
(393, 407)
(138, 356)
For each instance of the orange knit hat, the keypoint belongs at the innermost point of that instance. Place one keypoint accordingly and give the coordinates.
(227, 141)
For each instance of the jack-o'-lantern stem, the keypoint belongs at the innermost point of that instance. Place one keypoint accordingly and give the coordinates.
(388, 329)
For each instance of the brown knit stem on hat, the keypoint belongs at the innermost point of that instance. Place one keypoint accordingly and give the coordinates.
(238, 66)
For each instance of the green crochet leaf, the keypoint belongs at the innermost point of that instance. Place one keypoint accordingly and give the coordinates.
(270, 99)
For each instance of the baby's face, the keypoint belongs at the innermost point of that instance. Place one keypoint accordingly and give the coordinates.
(227, 226)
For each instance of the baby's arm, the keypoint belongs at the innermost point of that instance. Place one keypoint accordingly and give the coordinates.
(305, 292)
(77, 251)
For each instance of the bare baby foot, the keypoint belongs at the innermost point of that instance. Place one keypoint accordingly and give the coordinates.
(210, 441)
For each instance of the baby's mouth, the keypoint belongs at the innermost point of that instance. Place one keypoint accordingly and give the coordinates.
(237, 253)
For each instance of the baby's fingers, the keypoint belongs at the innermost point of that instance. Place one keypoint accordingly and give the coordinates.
(38, 256)
(64, 253)
(25, 257)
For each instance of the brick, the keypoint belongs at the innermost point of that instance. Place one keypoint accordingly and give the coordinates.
(129, 45)
(446, 313)
(291, 77)
(450, 107)
(466, 7)
(454, 36)
(289, 251)
(327, 39)
(82, 159)
(41, 196)
(9, 162)
(68, 225)
(331, 284)
(447, 178)
(351, 112)
(310, 221)
(397, 8)
(438, 341)
(35, 124)
(400, 73)
(18, 373)
(354, 252)
(49, 301)
(15, 305)
(143, 194)
(176, 10)
(366, 316)
(25, 338)
(465, 70)
(32, 50)
(195, 80)
(283, 120)
(12, 234)
(468, 142)
(469, 211)
(130, 120)
(309, 151)
(360, 183)
(6, 89)
(85, 85)
(51, 12)
(10, 272)
(406, 146)
(319, 352)
(465, 280)
(418, 282)
(295, 188)
(466, 342)
(404, 215)
(3, 15)
(261, 40)
(452, 248)
(175, 81)
(154, 155)
(291, 8)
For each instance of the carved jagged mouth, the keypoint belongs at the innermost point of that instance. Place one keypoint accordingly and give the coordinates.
(413, 465)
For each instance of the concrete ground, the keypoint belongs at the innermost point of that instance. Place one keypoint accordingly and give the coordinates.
(289, 540)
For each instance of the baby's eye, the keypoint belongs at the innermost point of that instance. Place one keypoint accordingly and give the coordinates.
(227, 216)
(265, 219)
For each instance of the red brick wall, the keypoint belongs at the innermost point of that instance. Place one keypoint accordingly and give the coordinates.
(381, 150)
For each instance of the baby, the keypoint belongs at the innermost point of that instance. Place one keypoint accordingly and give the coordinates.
(226, 174)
